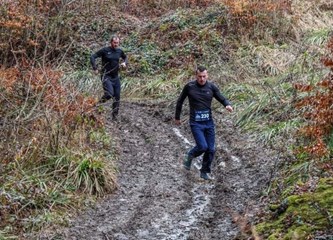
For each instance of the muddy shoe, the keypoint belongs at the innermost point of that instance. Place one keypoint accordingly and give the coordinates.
(187, 162)
(115, 117)
(206, 176)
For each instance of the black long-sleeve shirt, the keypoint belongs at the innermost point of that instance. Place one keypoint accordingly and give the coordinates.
(110, 60)
(200, 100)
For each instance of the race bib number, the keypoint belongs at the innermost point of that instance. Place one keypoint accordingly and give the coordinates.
(202, 115)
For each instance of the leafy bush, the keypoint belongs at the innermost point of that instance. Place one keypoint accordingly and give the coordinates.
(318, 110)
(42, 117)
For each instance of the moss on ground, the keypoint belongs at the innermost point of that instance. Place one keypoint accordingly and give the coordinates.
(305, 213)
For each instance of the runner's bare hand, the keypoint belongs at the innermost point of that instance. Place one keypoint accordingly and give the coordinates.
(229, 108)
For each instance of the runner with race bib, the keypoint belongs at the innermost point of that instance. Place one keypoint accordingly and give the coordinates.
(200, 93)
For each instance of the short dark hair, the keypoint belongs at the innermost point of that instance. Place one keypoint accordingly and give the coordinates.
(113, 37)
(200, 69)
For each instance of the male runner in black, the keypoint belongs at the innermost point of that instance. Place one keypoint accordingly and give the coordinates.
(200, 94)
(109, 74)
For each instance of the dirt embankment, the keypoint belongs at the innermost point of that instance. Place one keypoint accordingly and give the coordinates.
(158, 199)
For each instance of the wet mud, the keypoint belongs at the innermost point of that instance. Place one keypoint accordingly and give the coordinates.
(158, 199)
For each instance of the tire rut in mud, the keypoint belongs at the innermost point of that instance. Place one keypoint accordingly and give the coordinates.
(158, 199)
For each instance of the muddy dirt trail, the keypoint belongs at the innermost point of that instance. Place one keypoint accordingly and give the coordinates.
(158, 199)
